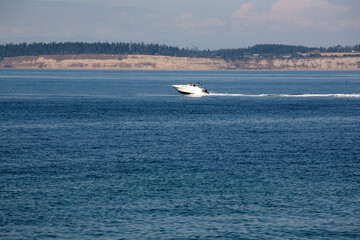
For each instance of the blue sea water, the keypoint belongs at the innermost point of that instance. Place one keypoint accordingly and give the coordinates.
(122, 155)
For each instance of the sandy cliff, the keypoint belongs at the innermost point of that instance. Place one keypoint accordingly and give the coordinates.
(150, 62)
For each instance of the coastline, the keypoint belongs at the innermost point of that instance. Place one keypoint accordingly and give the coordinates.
(157, 62)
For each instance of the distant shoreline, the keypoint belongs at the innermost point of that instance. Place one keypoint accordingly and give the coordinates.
(158, 62)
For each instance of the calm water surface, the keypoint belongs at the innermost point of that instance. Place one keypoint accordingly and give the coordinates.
(122, 155)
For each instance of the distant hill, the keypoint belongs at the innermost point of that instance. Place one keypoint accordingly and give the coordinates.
(152, 62)
(71, 48)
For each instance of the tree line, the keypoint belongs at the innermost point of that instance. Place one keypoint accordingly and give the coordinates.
(66, 48)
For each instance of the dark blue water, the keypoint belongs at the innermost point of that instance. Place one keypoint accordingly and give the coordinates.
(122, 155)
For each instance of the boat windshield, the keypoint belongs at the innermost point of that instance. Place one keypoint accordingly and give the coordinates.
(196, 84)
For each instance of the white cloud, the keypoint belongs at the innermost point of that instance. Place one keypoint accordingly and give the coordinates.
(293, 13)
(245, 12)
(214, 22)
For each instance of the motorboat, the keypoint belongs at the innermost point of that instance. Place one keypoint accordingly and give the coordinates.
(190, 88)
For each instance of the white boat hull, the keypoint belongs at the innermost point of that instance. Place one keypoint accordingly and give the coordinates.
(189, 89)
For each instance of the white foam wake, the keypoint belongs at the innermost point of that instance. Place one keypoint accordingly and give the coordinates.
(340, 95)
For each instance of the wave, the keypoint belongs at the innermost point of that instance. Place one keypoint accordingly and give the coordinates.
(340, 95)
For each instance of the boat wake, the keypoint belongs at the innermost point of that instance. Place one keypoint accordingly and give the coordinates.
(193, 90)
(340, 95)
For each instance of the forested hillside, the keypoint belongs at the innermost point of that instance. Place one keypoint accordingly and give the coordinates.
(66, 48)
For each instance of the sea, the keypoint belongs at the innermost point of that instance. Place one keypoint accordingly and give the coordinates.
(93, 154)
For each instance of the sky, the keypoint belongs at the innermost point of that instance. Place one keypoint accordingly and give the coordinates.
(205, 24)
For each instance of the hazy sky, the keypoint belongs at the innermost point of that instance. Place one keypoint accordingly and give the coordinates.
(185, 23)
